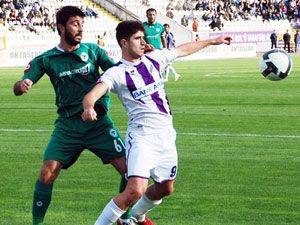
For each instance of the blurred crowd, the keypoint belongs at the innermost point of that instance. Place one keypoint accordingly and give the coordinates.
(216, 11)
(32, 14)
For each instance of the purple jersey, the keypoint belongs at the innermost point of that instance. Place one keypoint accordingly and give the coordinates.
(140, 88)
(170, 40)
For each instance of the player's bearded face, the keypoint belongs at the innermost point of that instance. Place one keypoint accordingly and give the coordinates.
(73, 39)
(151, 16)
(73, 31)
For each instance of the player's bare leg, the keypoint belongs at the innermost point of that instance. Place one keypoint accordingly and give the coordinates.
(135, 188)
(43, 190)
(152, 198)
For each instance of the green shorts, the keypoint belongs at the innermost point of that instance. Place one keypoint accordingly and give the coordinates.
(72, 135)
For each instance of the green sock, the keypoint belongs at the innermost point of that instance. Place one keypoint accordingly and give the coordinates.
(123, 183)
(41, 201)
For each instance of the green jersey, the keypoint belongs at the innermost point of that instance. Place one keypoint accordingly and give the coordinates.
(153, 34)
(72, 74)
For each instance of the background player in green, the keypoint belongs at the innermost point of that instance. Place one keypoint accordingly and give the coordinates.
(154, 31)
(72, 68)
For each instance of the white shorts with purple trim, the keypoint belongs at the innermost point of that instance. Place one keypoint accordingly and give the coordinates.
(151, 154)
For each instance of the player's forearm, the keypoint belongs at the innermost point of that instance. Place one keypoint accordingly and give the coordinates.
(192, 47)
(90, 98)
(164, 42)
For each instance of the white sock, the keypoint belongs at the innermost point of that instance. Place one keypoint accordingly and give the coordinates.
(174, 72)
(143, 206)
(167, 72)
(110, 214)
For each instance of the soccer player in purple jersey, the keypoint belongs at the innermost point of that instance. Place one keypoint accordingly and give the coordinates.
(150, 137)
(170, 44)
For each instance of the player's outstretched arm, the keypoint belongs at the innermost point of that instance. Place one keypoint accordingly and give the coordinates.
(22, 86)
(89, 114)
(192, 47)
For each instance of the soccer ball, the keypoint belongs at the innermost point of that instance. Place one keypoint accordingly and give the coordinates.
(276, 64)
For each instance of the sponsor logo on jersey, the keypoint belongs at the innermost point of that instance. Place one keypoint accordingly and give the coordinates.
(147, 90)
(157, 29)
(27, 68)
(153, 36)
(83, 71)
(84, 56)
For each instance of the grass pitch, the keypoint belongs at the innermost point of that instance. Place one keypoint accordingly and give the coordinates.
(238, 144)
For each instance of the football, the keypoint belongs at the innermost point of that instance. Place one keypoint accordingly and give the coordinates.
(275, 64)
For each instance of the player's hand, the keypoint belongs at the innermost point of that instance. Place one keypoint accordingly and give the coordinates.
(89, 115)
(25, 85)
(223, 39)
(148, 48)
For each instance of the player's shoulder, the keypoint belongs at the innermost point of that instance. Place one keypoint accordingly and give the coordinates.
(93, 49)
(91, 46)
(116, 69)
(155, 53)
(51, 52)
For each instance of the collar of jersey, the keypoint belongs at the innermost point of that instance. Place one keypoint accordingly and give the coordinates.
(136, 64)
(151, 24)
(60, 49)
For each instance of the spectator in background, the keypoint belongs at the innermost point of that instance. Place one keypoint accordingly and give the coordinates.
(195, 25)
(170, 6)
(31, 27)
(24, 21)
(145, 2)
(100, 40)
(178, 5)
(216, 23)
(170, 14)
(184, 21)
(1, 13)
(273, 38)
(187, 5)
(287, 40)
(296, 39)
(19, 4)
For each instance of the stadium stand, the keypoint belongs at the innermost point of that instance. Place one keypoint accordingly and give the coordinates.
(33, 20)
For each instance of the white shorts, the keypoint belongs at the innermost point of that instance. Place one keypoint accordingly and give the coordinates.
(151, 154)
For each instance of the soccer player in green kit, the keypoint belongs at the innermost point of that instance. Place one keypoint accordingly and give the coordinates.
(154, 31)
(72, 68)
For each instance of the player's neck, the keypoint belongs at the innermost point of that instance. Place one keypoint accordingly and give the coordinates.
(68, 48)
(131, 59)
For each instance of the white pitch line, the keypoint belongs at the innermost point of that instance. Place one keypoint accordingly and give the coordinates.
(179, 133)
(241, 135)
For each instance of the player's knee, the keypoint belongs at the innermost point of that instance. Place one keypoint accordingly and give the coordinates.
(134, 194)
(168, 191)
(50, 171)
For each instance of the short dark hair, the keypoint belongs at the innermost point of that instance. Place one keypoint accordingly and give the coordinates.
(166, 25)
(65, 12)
(127, 28)
(150, 10)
